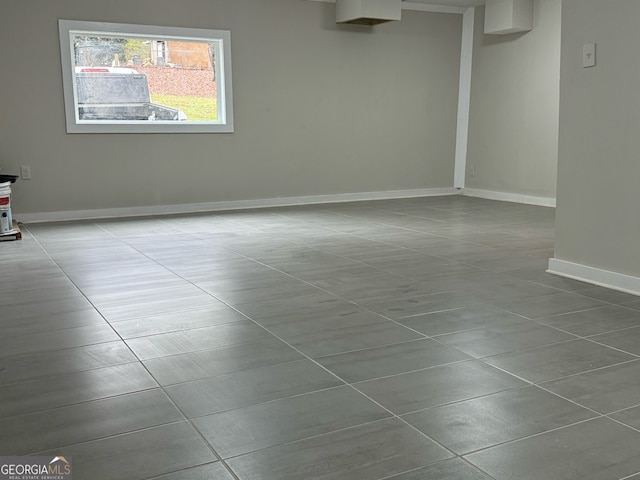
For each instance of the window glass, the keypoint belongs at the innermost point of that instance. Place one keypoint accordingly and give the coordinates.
(133, 78)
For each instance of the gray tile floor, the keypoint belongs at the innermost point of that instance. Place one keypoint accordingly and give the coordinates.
(404, 339)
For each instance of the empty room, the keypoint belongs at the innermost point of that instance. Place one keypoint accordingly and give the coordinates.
(319, 239)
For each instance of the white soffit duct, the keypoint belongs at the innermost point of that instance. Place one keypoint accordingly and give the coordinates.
(367, 12)
(502, 17)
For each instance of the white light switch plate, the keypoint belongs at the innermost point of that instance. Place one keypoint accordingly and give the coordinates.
(589, 55)
(25, 172)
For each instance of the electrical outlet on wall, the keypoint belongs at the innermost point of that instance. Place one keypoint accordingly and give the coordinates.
(25, 172)
(473, 171)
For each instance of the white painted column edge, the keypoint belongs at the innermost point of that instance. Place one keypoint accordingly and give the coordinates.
(464, 97)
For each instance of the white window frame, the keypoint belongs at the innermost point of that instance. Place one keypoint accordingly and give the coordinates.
(220, 38)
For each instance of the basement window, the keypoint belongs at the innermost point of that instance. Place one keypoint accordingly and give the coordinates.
(121, 78)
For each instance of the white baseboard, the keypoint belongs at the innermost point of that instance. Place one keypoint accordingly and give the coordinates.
(229, 205)
(596, 276)
(509, 197)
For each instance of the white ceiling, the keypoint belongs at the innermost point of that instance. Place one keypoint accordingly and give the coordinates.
(436, 3)
(451, 3)
(442, 6)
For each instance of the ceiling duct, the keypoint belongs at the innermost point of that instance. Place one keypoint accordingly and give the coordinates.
(502, 17)
(367, 12)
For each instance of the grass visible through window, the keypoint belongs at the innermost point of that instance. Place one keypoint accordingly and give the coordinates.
(196, 108)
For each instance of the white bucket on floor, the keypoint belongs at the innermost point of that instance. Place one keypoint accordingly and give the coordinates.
(5, 195)
(6, 224)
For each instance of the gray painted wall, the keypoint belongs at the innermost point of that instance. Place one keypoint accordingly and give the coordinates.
(319, 109)
(513, 122)
(598, 221)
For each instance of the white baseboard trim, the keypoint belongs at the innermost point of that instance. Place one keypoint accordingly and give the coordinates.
(509, 197)
(229, 205)
(596, 276)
